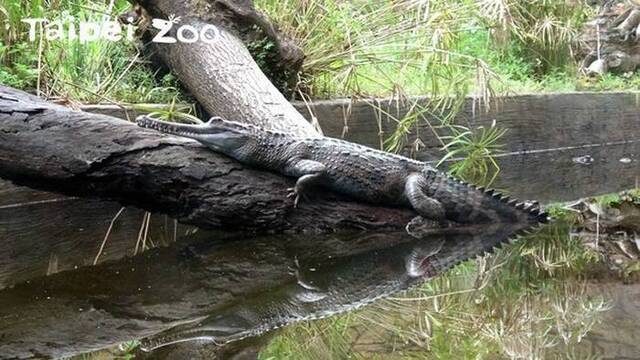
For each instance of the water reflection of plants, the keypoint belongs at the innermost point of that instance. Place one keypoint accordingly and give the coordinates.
(524, 301)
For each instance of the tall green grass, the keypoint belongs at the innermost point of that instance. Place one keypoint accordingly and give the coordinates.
(379, 48)
(96, 71)
(543, 33)
(436, 47)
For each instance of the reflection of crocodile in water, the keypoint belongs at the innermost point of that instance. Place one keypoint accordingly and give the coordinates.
(358, 171)
(223, 291)
(328, 286)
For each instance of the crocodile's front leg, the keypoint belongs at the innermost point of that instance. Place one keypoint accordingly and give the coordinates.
(308, 172)
(424, 205)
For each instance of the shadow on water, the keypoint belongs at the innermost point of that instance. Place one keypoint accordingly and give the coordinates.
(221, 292)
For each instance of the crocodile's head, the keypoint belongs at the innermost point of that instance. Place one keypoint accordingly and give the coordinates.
(225, 136)
(218, 134)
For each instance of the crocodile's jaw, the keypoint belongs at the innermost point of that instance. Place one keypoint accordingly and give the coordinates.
(215, 135)
(226, 142)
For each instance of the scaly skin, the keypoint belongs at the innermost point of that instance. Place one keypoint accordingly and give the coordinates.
(360, 172)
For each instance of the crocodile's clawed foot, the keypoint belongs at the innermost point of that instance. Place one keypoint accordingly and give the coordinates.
(293, 193)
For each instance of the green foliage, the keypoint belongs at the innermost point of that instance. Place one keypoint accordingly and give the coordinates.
(476, 152)
(17, 75)
(541, 32)
(558, 211)
(377, 48)
(124, 351)
(95, 71)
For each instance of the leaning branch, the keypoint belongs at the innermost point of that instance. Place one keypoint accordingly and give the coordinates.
(53, 148)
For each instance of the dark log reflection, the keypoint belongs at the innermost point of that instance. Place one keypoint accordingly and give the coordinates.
(220, 292)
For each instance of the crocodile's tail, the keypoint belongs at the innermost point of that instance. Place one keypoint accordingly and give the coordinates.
(465, 203)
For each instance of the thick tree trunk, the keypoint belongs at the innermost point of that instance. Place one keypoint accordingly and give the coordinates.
(221, 74)
(52, 148)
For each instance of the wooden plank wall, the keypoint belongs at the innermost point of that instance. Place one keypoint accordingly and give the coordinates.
(547, 136)
(540, 121)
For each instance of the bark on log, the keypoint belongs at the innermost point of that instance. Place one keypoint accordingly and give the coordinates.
(221, 74)
(52, 148)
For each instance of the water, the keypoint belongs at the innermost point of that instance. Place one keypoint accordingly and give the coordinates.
(223, 291)
(617, 336)
(213, 293)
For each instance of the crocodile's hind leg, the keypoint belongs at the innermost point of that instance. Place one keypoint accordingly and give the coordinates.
(432, 216)
(308, 172)
(418, 262)
(424, 205)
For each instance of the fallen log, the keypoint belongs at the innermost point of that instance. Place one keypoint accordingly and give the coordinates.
(53, 148)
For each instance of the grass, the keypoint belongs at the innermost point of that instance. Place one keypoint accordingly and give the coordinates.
(365, 48)
(97, 71)
(124, 351)
(384, 48)
(476, 152)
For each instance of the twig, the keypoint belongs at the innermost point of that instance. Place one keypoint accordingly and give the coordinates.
(146, 231)
(140, 233)
(106, 236)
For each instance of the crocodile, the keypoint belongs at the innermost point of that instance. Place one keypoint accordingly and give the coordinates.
(354, 170)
